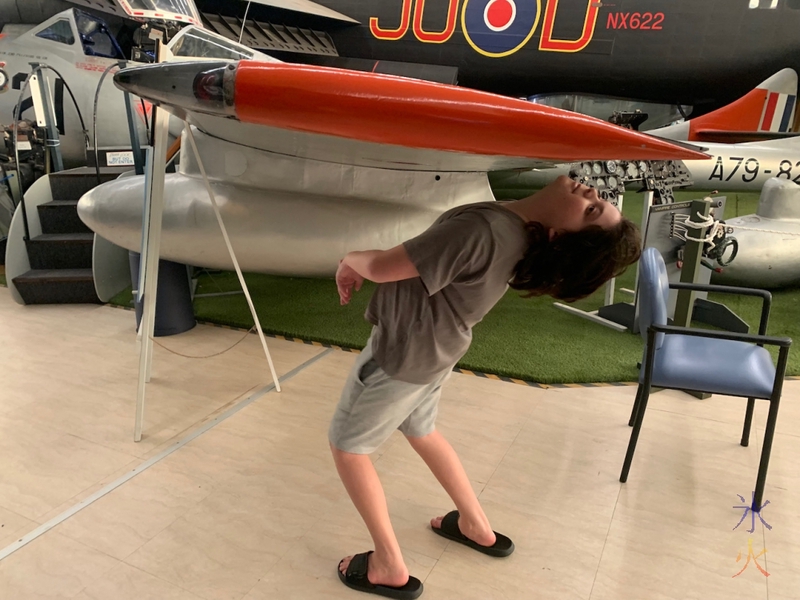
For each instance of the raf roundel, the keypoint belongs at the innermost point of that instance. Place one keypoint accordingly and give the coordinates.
(497, 28)
(499, 15)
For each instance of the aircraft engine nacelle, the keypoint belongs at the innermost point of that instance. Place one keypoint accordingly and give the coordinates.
(284, 215)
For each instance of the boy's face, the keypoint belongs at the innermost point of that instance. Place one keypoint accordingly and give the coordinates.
(568, 206)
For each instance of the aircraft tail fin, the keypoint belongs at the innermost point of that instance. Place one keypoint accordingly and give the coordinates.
(769, 108)
(766, 112)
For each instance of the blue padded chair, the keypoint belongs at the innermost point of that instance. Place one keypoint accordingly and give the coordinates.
(700, 360)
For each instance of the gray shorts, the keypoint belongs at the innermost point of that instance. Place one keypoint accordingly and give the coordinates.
(373, 405)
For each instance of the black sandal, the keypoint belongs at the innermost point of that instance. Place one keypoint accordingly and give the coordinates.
(356, 578)
(502, 546)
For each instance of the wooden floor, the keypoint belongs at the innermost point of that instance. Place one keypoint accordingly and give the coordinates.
(253, 509)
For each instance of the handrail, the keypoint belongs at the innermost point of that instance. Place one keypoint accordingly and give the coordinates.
(18, 117)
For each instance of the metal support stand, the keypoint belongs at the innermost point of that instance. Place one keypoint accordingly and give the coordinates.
(627, 313)
(188, 129)
(46, 115)
(135, 145)
(151, 249)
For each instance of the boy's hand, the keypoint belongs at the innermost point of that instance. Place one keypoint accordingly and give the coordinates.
(346, 280)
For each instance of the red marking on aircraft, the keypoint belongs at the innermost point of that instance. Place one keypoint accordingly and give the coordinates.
(392, 34)
(355, 105)
(144, 109)
(548, 42)
(500, 14)
(435, 37)
(770, 111)
(90, 67)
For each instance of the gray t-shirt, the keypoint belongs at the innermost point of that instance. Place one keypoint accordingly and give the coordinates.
(465, 261)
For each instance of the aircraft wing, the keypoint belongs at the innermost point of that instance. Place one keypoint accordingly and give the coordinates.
(369, 119)
(307, 7)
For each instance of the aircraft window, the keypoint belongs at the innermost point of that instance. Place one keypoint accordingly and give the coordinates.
(60, 31)
(764, 3)
(197, 43)
(95, 37)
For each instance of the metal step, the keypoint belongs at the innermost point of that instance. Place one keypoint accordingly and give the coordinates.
(61, 251)
(57, 286)
(61, 216)
(74, 183)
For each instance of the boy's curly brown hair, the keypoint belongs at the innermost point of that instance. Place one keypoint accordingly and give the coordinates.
(573, 265)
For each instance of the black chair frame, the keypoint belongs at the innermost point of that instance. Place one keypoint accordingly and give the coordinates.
(761, 339)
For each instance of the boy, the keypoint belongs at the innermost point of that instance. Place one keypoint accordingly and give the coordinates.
(562, 241)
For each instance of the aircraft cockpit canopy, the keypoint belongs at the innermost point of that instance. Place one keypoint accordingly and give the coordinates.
(96, 38)
(93, 33)
(60, 32)
(193, 42)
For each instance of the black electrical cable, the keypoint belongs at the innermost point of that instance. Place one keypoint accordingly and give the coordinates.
(74, 102)
(144, 116)
(119, 65)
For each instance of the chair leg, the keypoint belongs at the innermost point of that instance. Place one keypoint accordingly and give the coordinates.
(748, 419)
(637, 425)
(761, 479)
(636, 403)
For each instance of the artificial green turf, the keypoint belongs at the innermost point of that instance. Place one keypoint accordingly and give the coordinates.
(522, 338)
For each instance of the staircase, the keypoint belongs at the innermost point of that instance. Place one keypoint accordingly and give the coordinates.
(61, 257)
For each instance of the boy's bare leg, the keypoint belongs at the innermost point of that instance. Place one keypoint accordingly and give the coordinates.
(443, 461)
(386, 565)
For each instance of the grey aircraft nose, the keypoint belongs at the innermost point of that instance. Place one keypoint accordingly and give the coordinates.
(201, 86)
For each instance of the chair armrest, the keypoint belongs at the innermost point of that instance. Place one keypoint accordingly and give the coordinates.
(765, 296)
(783, 342)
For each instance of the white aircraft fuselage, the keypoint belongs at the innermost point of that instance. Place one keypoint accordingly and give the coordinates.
(745, 167)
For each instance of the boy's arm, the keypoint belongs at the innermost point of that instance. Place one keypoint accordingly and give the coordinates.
(380, 266)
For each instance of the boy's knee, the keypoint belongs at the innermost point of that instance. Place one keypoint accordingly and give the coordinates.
(420, 440)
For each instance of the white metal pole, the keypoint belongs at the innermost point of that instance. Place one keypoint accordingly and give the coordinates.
(649, 196)
(149, 291)
(611, 283)
(190, 135)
